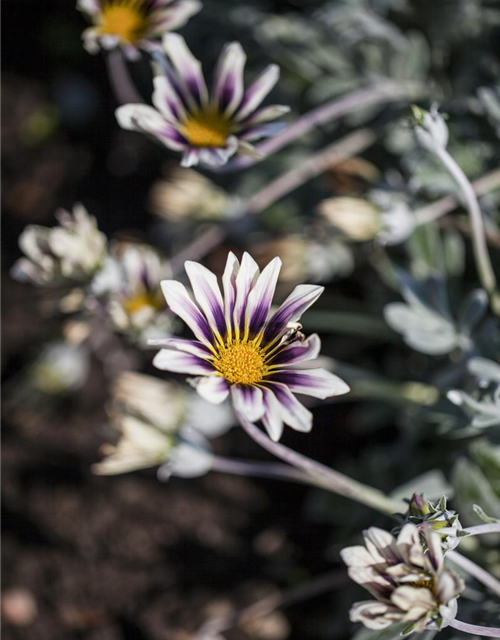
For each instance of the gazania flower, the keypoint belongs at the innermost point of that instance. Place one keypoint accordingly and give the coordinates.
(160, 424)
(132, 24)
(72, 251)
(409, 585)
(206, 128)
(239, 352)
(129, 286)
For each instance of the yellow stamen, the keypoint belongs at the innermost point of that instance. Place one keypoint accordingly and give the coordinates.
(144, 299)
(206, 128)
(241, 363)
(123, 18)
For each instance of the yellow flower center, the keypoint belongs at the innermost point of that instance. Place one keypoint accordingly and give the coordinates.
(123, 18)
(241, 363)
(144, 299)
(206, 128)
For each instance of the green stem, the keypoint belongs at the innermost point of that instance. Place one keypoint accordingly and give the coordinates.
(483, 262)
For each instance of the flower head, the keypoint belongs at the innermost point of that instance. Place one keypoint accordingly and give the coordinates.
(159, 423)
(238, 351)
(132, 24)
(426, 515)
(206, 128)
(410, 585)
(129, 284)
(74, 250)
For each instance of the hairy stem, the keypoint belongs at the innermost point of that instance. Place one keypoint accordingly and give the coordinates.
(477, 572)
(475, 630)
(119, 78)
(386, 92)
(483, 262)
(325, 477)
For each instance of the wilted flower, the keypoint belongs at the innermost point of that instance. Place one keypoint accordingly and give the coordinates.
(161, 424)
(239, 352)
(426, 515)
(411, 586)
(74, 250)
(132, 24)
(129, 284)
(188, 194)
(207, 129)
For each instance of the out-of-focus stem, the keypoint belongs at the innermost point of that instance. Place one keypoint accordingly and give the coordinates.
(262, 470)
(335, 153)
(483, 262)
(386, 92)
(329, 478)
(487, 183)
(481, 529)
(263, 607)
(119, 77)
(477, 572)
(475, 630)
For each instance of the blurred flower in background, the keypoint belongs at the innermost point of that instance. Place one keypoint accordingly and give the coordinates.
(207, 129)
(129, 287)
(161, 423)
(239, 352)
(74, 250)
(187, 195)
(133, 24)
(411, 586)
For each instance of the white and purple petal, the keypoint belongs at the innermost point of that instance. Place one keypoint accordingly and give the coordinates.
(181, 304)
(258, 131)
(141, 117)
(298, 351)
(212, 388)
(188, 346)
(301, 298)
(272, 419)
(181, 362)
(245, 280)
(170, 16)
(261, 297)
(248, 401)
(228, 85)
(208, 296)
(167, 100)
(293, 412)
(229, 287)
(189, 69)
(314, 382)
(257, 91)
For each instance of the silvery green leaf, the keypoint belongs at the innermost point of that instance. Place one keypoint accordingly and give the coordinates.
(484, 412)
(484, 369)
(472, 310)
(473, 488)
(482, 515)
(454, 253)
(490, 101)
(432, 484)
(391, 633)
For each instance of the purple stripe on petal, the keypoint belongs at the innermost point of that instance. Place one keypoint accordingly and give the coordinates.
(248, 401)
(228, 84)
(314, 382)
(212, 388)
(208, 296)
(245, 280)
(188, 346)
(301, 298)
(229, 286)
(256, 93)
(181, 304)
(190, 157)
(181, 362)
(292, 411)
(261, 297)
(298, 352)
